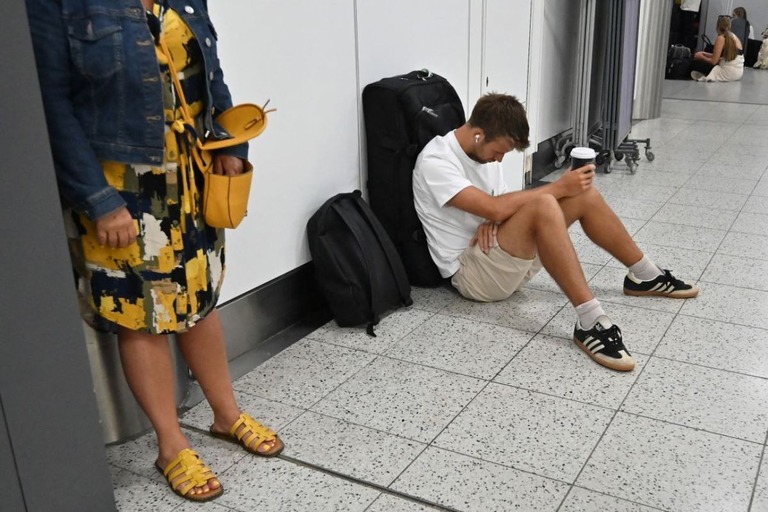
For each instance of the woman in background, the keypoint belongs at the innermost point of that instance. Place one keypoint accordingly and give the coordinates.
(726, 62)
(146, 263)
(741, 13)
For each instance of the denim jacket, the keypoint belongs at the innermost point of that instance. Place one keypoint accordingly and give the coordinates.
(102, 90)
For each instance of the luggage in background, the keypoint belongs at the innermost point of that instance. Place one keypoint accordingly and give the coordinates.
(357, 268)
(678, 63)
(402, 114)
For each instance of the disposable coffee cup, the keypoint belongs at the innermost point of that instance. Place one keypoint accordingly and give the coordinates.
(582, 156)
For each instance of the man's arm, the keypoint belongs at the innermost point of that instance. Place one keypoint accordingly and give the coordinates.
(500, 208)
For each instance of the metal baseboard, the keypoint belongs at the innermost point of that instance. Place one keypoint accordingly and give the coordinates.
(267, 320)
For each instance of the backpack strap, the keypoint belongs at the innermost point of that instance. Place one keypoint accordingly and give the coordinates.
(401, 279)
(355, 230)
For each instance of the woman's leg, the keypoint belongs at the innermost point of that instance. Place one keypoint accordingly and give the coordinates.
(204, 350)
(148, 368)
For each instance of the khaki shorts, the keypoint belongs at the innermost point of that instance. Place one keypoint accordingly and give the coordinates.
(493, 276)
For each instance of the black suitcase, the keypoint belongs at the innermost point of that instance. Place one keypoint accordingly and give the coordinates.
(356, 266)
(678, 63)
(402, 114)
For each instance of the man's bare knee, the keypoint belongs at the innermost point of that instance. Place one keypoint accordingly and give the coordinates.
(548, 211)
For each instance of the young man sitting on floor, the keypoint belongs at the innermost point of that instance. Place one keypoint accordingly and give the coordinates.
(490, 242)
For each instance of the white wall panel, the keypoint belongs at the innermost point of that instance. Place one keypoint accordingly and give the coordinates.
(398, 36)
(558, 40)
(301, 55)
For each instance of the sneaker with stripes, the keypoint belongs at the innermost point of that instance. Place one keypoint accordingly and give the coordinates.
(666, 285)
(603, 343)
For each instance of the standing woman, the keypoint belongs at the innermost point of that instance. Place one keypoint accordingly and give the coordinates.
(726, 62)
(146, 262)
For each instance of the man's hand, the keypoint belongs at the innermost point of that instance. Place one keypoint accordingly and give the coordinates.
(485, 236)
(576, 181)
(226, 164)
(116, 230)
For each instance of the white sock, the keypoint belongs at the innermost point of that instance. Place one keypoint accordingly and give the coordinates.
(645, 269)
(589, 312)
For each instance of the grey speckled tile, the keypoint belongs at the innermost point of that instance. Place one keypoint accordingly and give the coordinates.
(641, 328)
(587, 251)
(389, 330)
(352, 450)
(275, 484)
(610, 187)
(753, 223)
(285, 377)
(548, 436)
(527, 309)
(745, 245)
(720, 200)
(738, 271)
(762, 188)
(676, 235)
(433, 299)
(390, 503)
(656, 176)
(210, 506)
(544, 282)
(134, 493)
(459, 345)
(555, 366)
(747, 170)
(756, 204)
(468, 484)
(728, 159)
(273, 414)
(729, 304)
(401, 398)
(702, 398)
(686, 264)
(608, 286)
(716, 344)
(699, 216)
(633, 208)
(760, 499)
(583, 500)
(672, 467)
(715, 183)
(139, 455)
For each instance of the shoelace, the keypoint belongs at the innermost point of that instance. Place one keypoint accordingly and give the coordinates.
(673, 280)
(611, 338)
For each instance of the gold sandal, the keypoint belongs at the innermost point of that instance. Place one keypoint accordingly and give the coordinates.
(250, 434)
(187, 472)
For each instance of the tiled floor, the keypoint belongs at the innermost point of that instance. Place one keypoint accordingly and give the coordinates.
(491, 407)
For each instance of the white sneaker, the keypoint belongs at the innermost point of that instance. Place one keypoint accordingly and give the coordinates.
(697, 75)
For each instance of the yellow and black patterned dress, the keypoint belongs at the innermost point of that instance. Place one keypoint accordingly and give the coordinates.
(170, 278)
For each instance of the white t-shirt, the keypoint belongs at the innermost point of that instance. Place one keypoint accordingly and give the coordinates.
(442, 171)
(690, 5)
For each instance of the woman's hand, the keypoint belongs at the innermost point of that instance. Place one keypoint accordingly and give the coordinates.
(227, 164)
(116, 230)
(485, 236)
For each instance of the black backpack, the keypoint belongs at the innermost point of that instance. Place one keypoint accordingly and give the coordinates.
(357, 268)
(402, 114)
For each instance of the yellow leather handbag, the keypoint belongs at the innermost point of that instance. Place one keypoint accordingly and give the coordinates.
(225, 197)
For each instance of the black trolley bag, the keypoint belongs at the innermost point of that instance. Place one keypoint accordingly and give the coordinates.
(357, 268)
(402, 114)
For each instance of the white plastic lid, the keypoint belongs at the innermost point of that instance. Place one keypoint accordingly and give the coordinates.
(583, 153)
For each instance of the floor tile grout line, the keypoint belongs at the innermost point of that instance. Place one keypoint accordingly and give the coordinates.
(371, 485)
(759, 470)
(689, 427)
